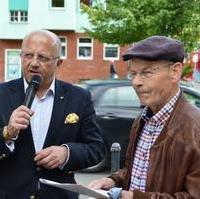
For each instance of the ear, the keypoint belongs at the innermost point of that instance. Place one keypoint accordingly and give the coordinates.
(59, 62)
(176, 71)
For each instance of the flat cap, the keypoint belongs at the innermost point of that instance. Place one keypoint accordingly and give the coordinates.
(156, 48)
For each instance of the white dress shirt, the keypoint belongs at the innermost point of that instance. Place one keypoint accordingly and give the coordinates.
(42, 108)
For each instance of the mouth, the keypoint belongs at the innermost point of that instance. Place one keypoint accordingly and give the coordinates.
(34, 73)
(143, 95)
(142, 92)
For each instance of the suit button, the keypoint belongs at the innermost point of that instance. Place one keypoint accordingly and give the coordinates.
(38, 169)
(32, 197)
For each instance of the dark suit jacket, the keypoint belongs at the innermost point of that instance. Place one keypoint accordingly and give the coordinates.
(18, 172)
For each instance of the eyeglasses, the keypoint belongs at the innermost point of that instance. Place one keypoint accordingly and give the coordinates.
(147, 73)
(41, 58)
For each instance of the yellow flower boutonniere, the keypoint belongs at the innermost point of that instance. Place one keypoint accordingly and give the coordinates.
(71, 118)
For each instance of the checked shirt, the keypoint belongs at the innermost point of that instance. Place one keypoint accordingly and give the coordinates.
(150, 132)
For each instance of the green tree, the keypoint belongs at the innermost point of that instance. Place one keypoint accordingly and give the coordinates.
(126, 21)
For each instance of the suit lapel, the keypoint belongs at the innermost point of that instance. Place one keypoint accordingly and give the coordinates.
(18, 96)
(58, 112)
(17, 93)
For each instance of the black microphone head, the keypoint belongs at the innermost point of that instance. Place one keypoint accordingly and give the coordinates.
(31, 90)
(35, 81)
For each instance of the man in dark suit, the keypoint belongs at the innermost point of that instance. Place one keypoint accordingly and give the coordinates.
(57, 136)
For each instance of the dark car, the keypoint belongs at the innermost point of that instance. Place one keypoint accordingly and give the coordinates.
(117, 105)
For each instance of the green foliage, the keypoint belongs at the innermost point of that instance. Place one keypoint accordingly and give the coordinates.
(126, 21)
(186, 70)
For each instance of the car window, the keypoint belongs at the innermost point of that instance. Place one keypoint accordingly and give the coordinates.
(122, 96)
(193, 99)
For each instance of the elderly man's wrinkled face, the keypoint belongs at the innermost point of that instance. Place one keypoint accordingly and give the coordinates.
(154, 82)
(40, 57)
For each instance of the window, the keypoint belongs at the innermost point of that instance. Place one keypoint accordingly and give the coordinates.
(111, 52)
(58, 3)
(18, 16)
(18, 11)
(12, 64)
(63, 47)
(85, 48)
(122, 96)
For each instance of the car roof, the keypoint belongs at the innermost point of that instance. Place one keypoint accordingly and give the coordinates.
(89, 84)
(191, 90)
(104, 81)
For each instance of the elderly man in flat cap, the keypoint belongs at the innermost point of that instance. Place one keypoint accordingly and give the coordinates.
(163, 155)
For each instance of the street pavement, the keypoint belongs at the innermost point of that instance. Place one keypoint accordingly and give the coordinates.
(86, 178)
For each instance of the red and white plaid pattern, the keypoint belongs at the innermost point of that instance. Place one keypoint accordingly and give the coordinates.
(151, 130)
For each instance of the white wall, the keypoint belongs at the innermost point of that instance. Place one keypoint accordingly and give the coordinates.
(41, 16)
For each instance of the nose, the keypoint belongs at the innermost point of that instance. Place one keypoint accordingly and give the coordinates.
(34, 61)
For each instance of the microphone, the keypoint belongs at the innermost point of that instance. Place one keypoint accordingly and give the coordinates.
(31, 90)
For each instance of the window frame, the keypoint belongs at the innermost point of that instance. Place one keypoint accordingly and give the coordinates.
(63, 44)
(91, 45)
(111, 45)
(6, 66)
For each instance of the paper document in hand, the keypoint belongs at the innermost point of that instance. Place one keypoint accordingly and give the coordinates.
(81, 189)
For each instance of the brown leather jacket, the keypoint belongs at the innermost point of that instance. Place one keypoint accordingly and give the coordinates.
(174, 165)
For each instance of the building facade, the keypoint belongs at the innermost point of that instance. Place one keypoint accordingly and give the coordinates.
(84, 57)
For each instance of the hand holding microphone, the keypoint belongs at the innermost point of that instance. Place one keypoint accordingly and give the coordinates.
(20, 117)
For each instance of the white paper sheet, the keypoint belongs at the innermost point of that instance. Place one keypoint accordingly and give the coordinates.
(81, 189)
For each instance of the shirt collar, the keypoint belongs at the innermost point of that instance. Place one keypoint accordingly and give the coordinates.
(51, 89)
(147, 113)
